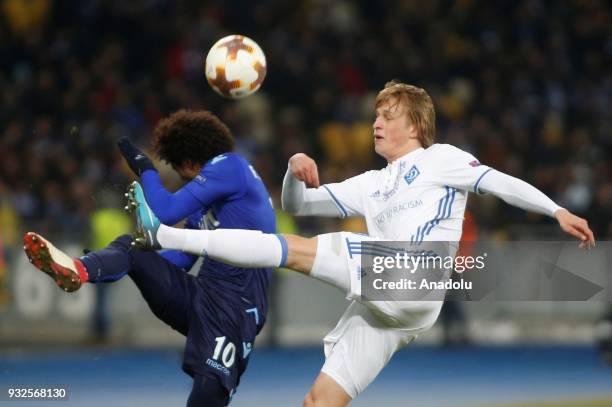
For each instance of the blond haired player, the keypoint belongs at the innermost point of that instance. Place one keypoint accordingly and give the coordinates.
(419, 196)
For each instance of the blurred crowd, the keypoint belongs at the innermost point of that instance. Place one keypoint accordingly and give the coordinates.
(526, 86)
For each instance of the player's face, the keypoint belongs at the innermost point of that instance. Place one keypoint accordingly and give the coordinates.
(392, 132)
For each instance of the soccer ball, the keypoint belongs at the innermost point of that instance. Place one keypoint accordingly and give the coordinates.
(235, 66)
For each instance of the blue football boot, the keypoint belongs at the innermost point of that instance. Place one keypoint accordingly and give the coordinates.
(146, 221)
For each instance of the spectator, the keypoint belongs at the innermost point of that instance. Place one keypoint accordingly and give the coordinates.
(527, 77)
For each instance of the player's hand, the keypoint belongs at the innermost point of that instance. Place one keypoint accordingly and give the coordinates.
(136, 159)
(304, 169)
(577, 227)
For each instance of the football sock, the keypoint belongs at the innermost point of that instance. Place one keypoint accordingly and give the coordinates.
(241, 248)
(108, 264)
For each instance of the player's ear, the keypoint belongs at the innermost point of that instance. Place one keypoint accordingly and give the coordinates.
(413, 134)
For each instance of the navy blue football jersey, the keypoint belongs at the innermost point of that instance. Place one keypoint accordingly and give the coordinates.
(230, 303)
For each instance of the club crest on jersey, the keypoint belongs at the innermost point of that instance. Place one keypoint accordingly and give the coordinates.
(411, 175)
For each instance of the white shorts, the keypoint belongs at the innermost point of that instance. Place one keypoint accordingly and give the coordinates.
(359, 347)
(338, 263)
(369, 332)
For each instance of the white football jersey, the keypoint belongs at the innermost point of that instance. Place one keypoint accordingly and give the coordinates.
(418, 197)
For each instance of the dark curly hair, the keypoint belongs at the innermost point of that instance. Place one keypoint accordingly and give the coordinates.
(195, 136)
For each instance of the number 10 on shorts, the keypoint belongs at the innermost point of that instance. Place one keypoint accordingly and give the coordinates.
(227, 352)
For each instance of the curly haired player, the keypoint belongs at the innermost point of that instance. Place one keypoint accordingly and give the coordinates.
(222, 309)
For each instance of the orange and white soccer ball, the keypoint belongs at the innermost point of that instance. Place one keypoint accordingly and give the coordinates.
(235, 66)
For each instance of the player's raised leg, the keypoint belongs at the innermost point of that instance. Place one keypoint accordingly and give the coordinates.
(242, 248)
(314, 257)
(165, 287)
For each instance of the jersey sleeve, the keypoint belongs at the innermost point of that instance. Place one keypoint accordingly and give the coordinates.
(348, 195)
(168, 207)
(518, 193)
(301, 201)
(220, 178)
(460, 169)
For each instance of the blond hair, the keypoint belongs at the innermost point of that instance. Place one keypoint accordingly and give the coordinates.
(419, 108)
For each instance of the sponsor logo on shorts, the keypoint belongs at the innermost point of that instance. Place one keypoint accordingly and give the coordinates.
(216, 365)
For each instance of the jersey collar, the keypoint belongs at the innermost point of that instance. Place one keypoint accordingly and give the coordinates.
(409, 156)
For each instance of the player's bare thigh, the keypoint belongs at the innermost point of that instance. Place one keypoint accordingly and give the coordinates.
(301, 252)
(325, 392)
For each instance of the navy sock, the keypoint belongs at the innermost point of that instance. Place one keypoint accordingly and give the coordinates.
(111, 263)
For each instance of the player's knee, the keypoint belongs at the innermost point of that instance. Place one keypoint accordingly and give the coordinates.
(317, 397)
(309, 400)
(326, 392)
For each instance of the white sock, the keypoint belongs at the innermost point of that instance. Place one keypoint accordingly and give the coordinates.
(241, 248)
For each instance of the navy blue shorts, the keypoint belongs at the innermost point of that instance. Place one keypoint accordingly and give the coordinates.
(220, 325)
(220, 335)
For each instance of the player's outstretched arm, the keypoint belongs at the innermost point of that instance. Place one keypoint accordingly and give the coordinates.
(523, 195)
(299, 200)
